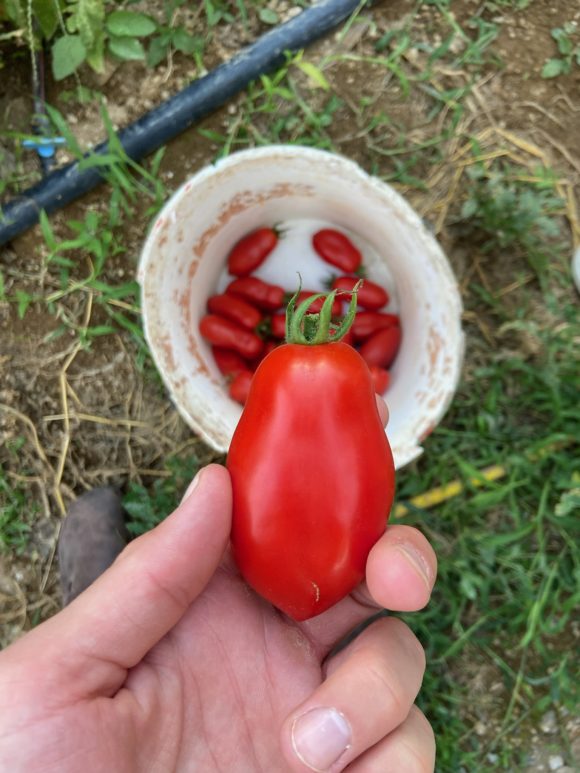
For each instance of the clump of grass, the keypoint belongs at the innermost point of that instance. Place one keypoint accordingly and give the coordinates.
(15, 512)
(508, 556)
(504, 210)
(149, 506)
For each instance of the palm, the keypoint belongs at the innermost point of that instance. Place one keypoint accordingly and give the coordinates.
(211, 695)
(217, 688)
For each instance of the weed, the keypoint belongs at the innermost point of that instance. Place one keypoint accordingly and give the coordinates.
(568, 49)
(503, 210)
(147, 507)
(87, 31)
(15, 526)
(508, 558)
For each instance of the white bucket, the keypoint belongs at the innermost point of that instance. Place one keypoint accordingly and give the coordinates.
(183, 262)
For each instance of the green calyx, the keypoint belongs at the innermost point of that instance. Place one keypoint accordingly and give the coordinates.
(315, 329)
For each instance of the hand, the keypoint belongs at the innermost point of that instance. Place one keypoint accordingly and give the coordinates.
(168, 662)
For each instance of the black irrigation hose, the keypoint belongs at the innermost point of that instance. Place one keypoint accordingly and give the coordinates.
(172, 117)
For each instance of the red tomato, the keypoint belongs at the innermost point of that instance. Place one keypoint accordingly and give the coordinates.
(240, 386)
(336, 248)
(235, 309)
(381, 378)
(254, 290)
(278, 325)
(369, 295)
(312, 475)
(229, 362)
(251, 251)
(317, 305)
(221, 332)
(382, 347)
(368, 322)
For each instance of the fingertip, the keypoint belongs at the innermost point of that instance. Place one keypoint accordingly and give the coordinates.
(382, 409)
(401, 570)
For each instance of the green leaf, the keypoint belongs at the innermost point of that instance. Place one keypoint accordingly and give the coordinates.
(156, 52)
(569, 502)
(268, 16)
(186, 43)
(88, 17)
(100, 330)
(565, 45)
(15, 11)
(469, 208)
(2, 287)
(314, 75)
(46, 16)
(96, 56)
(68, 53)
(130, 24)
(24, 301)
(553, 68)
(47, 232)
(126, 48)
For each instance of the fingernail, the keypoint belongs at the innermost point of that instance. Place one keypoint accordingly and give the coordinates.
(320, 737)
(417, 561)
(192, 486)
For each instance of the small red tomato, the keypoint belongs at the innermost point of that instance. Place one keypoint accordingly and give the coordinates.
(251, 251)
(236, 309)
(380, 377)
(317, 305)
(336, 248)
(278, 325)
(369, 295)
(229, 362)
(368, 322)
(221, 332)
(240, 386)
(382, 347)
(254, 290)
(302, 540)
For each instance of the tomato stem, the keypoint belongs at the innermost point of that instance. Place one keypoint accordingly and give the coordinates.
(316, 329)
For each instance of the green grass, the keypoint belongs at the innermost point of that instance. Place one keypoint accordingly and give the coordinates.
(16, 516)
(149, 506)
(508, 558)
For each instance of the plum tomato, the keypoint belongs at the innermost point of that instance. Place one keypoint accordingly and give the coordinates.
(337, 249)
(251, 251)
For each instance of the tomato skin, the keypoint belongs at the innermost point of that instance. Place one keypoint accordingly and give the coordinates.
(236, 309)
(229, 362)
(240, 386)
(254, 290)
(278, 325)
(251, 251)
(221, 332)
(381, 379)
(370, 295)
(368, 322)
(317, 305)
(382, 347)
(337, 249)
(312, 475)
